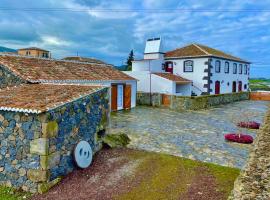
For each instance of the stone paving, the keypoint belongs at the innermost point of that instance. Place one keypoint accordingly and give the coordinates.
(195, 135)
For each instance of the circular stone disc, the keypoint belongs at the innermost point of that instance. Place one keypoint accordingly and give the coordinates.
(83, 154)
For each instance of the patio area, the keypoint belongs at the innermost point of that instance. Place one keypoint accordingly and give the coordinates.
(197, 135)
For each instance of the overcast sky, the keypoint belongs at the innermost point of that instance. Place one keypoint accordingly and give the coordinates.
(111, 35)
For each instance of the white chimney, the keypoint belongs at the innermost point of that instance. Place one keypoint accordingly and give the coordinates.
(153, 49)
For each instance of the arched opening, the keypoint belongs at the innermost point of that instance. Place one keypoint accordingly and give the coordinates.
(217, 87)
(169, 67)
(234, 86)
(240, 86)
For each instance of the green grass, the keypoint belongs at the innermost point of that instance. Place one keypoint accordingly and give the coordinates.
(168, 177)
(259, 84)
(7, 193)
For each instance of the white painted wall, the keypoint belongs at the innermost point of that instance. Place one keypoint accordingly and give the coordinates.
(183, 89)
(162, 85)
(153, 56)
(196, 76)
(226, 78)
(147, 65)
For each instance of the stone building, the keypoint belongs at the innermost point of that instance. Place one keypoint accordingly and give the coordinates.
(40, 124)
(20, 69)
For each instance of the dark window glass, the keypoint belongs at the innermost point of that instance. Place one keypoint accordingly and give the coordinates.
(188, 66)
(246, 69)
(227, 67)
(240, 69)
(217, 66)
(234, 68)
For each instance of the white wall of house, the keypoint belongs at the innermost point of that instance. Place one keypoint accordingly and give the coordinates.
(162, 85)
(153, 56)
(147, 65)
(183, 89)
(226, 79)
(143, 77)
(196, 76)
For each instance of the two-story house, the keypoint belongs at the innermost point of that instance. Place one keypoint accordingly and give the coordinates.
(191, 70)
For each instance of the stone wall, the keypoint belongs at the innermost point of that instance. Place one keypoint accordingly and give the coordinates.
(179, 103)
(8, 79)
(37, 149)
(254, 180)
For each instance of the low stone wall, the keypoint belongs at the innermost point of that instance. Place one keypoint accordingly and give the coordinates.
(254, 180)
(36, 149)
(191, 103)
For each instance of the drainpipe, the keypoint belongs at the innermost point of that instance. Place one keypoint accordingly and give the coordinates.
(150, 87)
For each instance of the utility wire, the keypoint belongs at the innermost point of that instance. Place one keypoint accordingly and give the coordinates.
(168, 10)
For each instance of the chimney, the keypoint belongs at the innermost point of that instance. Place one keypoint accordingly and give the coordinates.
(153, 49)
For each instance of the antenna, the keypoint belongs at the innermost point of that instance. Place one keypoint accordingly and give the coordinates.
(77, 54)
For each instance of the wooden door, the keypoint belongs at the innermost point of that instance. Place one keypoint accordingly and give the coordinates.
(114, 98)
(217, 87)
(127, 96)
(240, 86)
(234, 86)
(166, 100)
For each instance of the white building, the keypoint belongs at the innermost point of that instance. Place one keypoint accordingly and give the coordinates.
(191, 70)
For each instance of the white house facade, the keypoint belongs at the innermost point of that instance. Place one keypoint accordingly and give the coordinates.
(191, 70)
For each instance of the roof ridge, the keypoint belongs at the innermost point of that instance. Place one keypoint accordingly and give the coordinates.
(203, 50)
(53, 59)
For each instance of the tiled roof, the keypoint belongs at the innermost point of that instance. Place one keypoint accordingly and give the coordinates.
(198, 50)
(37, 98)
(33, 48)
(173, 77)
(84, 59)
(50, 70)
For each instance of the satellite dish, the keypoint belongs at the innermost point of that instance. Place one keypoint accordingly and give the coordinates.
(83, 154)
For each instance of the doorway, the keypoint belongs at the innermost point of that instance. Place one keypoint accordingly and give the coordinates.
(120, 97)
(240, 86)
(234, 86)
(217, 87)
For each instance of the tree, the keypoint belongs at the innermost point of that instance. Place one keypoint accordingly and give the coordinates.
(129, 60)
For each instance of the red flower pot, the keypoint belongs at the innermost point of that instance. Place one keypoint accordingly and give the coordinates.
(242, 138)
(251, 125)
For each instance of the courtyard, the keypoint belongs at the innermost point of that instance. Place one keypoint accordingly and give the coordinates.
(197, 135)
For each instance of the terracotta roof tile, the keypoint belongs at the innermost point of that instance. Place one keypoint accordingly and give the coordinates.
(198, 50)
(173, 77)
(40, 69)
(84, 59)
(37, 98)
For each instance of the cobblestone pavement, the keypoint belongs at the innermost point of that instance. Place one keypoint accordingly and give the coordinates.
(196, 135)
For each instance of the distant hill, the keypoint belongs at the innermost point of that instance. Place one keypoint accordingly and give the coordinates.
(5, 49)
(259, 84)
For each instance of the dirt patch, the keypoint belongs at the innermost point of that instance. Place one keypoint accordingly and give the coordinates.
(125, 174)
(204, 187)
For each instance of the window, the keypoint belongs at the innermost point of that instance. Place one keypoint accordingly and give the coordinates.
(188, 66)
(234, 68)
(28, 53)
(240, 69)
(217, 66)
(245, 86)
(45, 55)
(227, 67)
(246, 69)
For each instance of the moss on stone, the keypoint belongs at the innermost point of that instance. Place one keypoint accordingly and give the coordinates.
(116, 140)
(44, 187)
(7, 193)
(52, 128)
